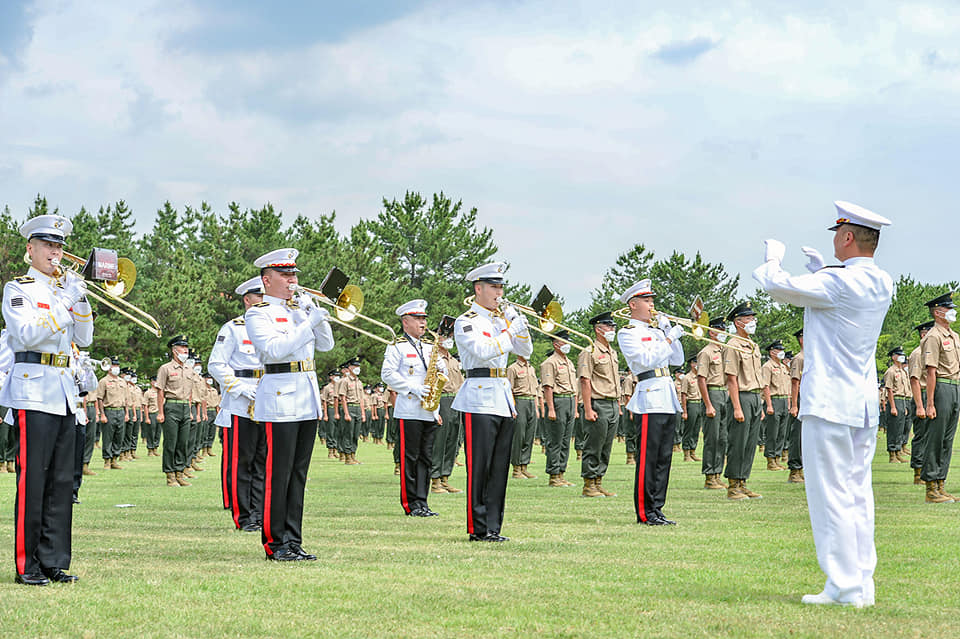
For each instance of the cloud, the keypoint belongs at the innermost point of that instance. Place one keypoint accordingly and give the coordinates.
(685, 51)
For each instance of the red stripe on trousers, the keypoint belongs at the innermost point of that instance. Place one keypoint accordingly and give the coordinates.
(403, 474)
(21, 544)
(642, 469)
(268, 489)
(223, 468)
(234, 455)
(468, 449)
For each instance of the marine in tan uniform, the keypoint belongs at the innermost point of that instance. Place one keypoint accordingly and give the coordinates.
(678, 424)
(152, 427)
(896, 384)
(795, 462)
(918, 391)
(692, 414)
(448, 434)
(559, 382)
(775, 378)
(743, 387)
(112, 411)
(213, 406)
(198, 414)
(599, 370)
(350, 391)
(628, 382)
(713, 391)
(331, 413)
(524, 383)
(941, 356)
(175, 390)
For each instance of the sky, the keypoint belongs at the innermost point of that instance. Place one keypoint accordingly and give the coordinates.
(577, 129)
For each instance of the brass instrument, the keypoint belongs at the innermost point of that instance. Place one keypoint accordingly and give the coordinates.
(546, 310)
(348, 304)
(434, 379)
(108, 292)
(697, 330)
(106, 363)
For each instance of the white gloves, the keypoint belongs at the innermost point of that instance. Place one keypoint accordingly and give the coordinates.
(510, 313)
(816, 259)
(316, 315)
(675, 333)
(663, 322)
(75, 291)
(518, 325)
(250, 392)
(420, 391)
(774, 250)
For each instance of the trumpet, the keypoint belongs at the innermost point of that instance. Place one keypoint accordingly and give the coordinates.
(109, 290)
(696, 330)
(347, 302)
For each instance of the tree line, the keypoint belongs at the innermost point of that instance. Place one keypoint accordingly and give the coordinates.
(190, 261)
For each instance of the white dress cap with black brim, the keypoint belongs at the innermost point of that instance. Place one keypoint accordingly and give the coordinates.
(848, 213)
(491, 273)
(417, 308)
(283, 260)
(51, 228)
(640, 289)
(253, 285)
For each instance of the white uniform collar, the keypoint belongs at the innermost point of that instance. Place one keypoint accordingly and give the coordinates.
(270, 299)
(638, 322)
(410, 338)
(479, 310)
(41, 277)
(852, 261)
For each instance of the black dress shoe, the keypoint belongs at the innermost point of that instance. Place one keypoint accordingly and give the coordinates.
(428, 512)
(32, 580)
(304, 556)
(474, 537)
(669, 522)
(491, 536)
(417, 512)
(251, 528)
(655, 521)
(76, 499)
(284, 555)
(57, 575)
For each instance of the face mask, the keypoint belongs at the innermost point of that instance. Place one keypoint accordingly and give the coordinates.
(951, 315)
(126, 378)
(369, 392)
(610, 335)
(336, 378)
(722, 337)
(901, 358)
(190, 362)
(750, 327)
(115, 370)
(564, 348)
(209, 382)
(133, 379)
(781, 354)
(181, 357)
(447, 343)
(356, 370)
(197, 369)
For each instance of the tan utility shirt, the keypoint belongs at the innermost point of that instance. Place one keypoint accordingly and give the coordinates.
(213, 398)
(776, 375)
(689, 386)
(454, 373)
(796, 367)
(199, 388)
(329, 394)
(150, 399)
(601, 365)
(940, 349)
(557, 371)
(112, 392)
(897, 380)
(175, 382)
(710, 365)
(350, 388)
(916, 369)
(627, 384)
(745, 367)
(523, 379)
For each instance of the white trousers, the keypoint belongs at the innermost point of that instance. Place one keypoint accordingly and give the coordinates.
(836, 461)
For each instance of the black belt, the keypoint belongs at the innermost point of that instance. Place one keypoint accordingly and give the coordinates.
(657, 372)
(486, 372)
(47, 359)
(288, 367)
(248, 373)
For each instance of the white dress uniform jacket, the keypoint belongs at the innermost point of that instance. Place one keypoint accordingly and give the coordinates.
(6, 358)
(484, 342)
(233, 351)
(282, 333)
(38, 320)
(403, 370)
(844, 311)
(86, 380)
(645, 348)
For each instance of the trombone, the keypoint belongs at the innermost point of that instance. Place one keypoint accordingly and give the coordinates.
(697, 330)
(108, 292)
(348, 304)
(546, 310)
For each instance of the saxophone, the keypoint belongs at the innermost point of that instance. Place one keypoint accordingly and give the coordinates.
(434, 379)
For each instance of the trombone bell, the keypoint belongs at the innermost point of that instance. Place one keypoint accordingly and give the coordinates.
(350, 303)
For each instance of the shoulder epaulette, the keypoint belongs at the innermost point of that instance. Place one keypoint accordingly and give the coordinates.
(629, 326)
(470, 314)
(400, 340)
(24, 279)
(261, 304)
(835, 266)
(428, 342)
(239, 321)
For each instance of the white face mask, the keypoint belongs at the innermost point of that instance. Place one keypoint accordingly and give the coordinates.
(950, 315)
(126, 378)
(780, 354)
(190, 362)
(610, 335)
(356, 371)
(722, 337)
(750, 327)
(447, 343)
(133, 379)
(197, 369)
(369, 392)
(564, 348)
(181, 357)
(901, 358)
(209, 382)
(115, 370)
(336, 378)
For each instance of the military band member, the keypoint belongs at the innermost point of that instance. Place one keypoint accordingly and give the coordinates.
(743, 388)
(174, 391)
(86, 380)
(713, 391)
(941, 358)
(44, 315)
(404, 369)
(691, 404)
(775, 378)
(6, 430)
(896, 382)
(649, 352)
(628, 383)
(286, 334)
(485, 335)
(918, 390)
(445, 443)
(112, 413)
(599, 370)
(795, 463)
(93, 428)
(560, 382)
(524, 384)
(350, 392)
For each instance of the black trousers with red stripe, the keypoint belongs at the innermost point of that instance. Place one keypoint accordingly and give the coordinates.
(289, 448)
(43, 507)
(416, 450)
(487, 441)
(654, 453)
(226, 469)
(248, 459)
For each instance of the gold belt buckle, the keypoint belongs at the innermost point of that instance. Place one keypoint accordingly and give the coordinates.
(61, 360)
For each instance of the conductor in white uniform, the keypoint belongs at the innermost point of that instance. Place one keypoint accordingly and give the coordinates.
(844, 310)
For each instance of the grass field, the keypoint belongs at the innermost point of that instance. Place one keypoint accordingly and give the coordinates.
(173, 567)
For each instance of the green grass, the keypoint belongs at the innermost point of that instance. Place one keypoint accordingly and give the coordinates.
(173, 567)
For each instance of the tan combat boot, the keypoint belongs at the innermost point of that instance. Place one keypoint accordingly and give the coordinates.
(555, 482)
(11, 467)
(579, 455)
(784, 457)
(396, 469)
(526, 473)
(733, 491)
(87, 471)
(916, 477)
(196, 465)
(944, 492)
(934, 496)
(186, 472)
(905, 450)
(342, 456)
(445, 482)
(749, 493)
(181, 479)
(352, 460)
(106, 463)
(516, 473)
(133, 455)
(693, 455)
(564, 480)
(598, 484)
(902, 458)
(893, 457)
(718, 483)
(210, 452)
(435, 486)
(772, 464)
(710, 482)
(3, 466)
(589, 488)
(676, 448)
(172, 480)
(537, 442)
(331, 453)
(687, 456)
(631, 459)
(115, 465)
(795, 477)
